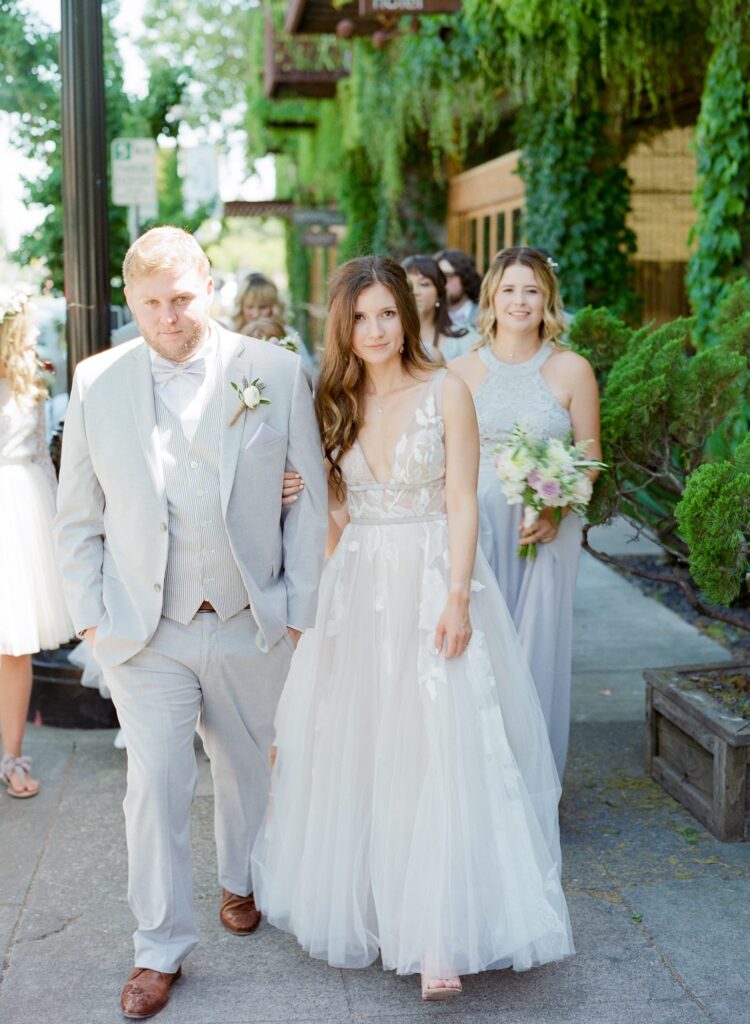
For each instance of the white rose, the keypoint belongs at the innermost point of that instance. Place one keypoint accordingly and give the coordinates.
(557, 454)
(582, 491)
(251, 396)
(513, 492)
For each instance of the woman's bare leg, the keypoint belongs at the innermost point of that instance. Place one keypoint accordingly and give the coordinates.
(15, 694)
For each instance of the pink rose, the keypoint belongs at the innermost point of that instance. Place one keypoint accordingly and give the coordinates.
(549, 489)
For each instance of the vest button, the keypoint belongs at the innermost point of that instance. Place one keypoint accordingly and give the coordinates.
(193, 464)
(163, 527)
(157, 587)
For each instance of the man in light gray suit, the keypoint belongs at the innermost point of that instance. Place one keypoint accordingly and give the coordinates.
(187, 579)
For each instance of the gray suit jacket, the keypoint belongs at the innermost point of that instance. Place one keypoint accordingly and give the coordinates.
(111, 526)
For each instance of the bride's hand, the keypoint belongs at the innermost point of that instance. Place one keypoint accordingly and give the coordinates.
(454, 627)
(293, 484)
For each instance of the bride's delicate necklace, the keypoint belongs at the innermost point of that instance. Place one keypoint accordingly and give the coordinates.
(377, 399)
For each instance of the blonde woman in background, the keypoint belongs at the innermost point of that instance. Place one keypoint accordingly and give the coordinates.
(260, 300)
(32, 609)
(519, 372)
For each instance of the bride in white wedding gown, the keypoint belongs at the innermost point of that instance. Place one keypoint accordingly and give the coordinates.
(413, 807)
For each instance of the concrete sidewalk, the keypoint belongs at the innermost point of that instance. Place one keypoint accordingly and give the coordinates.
(661, 910)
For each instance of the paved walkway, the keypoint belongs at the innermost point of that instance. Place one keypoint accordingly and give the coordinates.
(661, 910)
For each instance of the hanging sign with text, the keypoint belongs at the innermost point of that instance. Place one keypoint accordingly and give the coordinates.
(370, 7)
(134, 172)
(318, 239)
(304, 217)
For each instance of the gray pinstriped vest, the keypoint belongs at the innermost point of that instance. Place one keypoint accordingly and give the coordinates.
(200, 563)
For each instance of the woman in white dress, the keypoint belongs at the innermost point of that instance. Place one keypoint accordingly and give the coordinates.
(32, 610)
(413, 807)
(520, 372)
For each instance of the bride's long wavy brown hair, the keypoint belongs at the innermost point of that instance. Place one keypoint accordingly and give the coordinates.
(338, 399)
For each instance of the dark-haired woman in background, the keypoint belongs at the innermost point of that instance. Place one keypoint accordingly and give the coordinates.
(462, 285)
(440, 338)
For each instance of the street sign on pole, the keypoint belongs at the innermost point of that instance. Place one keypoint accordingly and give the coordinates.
(324, 217)
(134, 172)
(318, 239)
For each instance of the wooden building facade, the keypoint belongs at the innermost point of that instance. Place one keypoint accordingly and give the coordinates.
(485, 214)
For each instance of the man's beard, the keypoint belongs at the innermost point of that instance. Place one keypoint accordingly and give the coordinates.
(187, 348)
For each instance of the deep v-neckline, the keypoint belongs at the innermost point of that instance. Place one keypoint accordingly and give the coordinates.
(404, 433)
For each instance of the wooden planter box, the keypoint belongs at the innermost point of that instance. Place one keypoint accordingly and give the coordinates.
(698, 751)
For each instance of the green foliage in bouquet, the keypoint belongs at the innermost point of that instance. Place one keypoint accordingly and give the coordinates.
(714, 519)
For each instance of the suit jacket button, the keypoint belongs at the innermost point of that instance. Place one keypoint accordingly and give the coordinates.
(163, 527)
(157, 587)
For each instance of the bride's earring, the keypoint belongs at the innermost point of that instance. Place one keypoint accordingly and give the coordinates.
(437, 305)
(401, 350)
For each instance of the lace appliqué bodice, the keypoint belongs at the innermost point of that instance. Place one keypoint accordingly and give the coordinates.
(22, 432)
(416, 490)
(512, 394)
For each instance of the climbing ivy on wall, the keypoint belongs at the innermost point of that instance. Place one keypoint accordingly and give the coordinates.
(577, 200)
(722, 144)
(590, 79)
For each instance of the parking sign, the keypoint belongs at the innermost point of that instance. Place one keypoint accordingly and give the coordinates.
(134, 172)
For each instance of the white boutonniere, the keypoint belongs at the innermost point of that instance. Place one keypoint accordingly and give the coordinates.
(250, 394)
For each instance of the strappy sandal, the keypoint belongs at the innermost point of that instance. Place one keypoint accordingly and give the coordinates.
(21, 768)
(435, 989)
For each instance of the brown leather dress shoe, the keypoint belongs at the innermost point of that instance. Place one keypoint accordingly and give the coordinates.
(146, 992)
(239, 913)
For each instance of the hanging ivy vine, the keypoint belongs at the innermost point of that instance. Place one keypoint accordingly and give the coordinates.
(577, 201)
(586, 78)
(722, 144)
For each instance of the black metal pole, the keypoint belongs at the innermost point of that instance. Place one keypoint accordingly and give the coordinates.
(85, 198)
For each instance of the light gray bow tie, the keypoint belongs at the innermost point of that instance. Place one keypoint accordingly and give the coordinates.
(164, 370)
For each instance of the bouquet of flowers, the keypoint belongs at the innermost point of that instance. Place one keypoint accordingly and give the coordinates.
(544, 473)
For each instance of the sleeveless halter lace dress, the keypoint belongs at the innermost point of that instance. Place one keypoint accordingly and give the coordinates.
(539, 592)
(413, 807)
(33, 615)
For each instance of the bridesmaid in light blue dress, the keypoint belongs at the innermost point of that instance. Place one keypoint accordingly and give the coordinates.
(521, 374)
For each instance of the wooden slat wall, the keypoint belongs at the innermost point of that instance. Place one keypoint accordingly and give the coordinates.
(485, 205)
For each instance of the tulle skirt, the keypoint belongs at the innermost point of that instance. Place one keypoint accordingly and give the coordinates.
(413, 808)
(33, 616)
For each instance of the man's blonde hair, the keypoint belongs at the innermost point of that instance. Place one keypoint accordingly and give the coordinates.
(162, 249)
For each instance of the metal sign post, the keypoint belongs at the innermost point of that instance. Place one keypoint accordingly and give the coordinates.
(85, 227)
